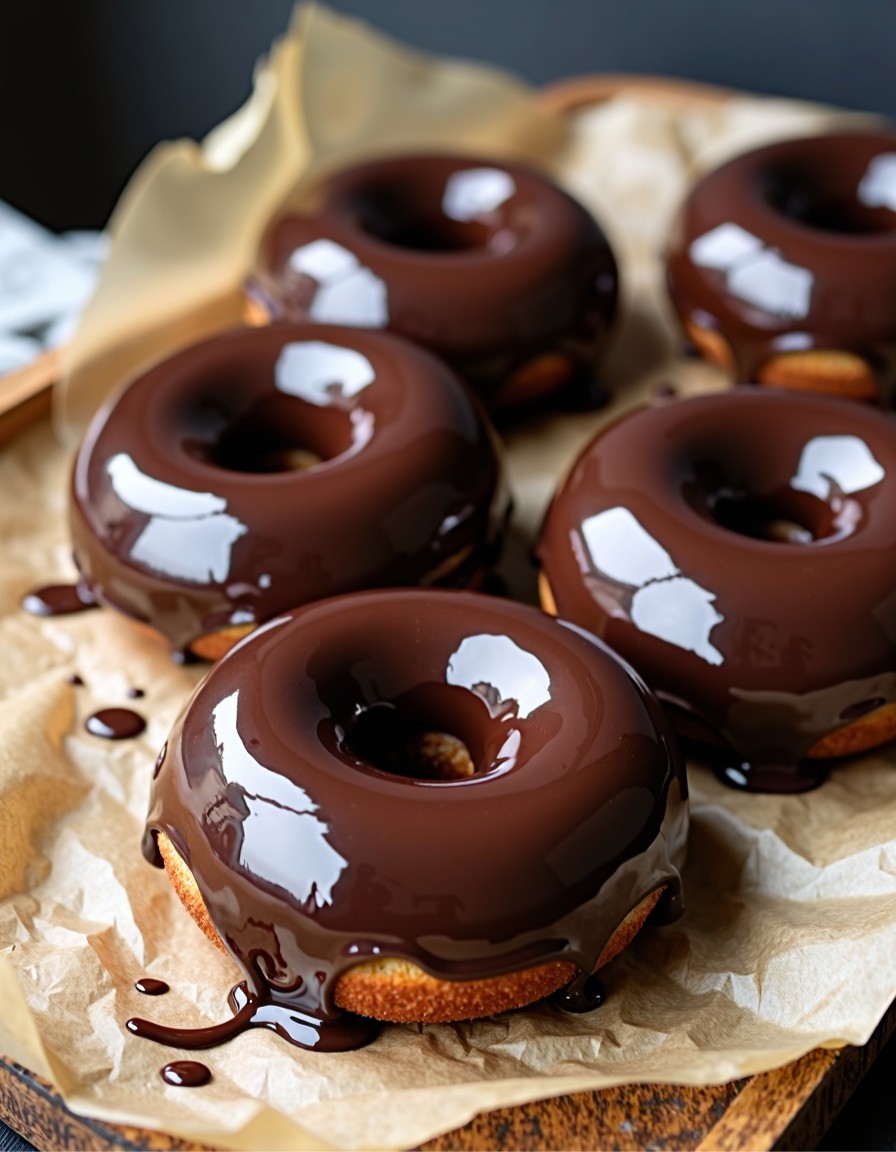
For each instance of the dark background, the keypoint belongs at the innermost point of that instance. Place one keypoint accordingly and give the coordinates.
(87, 87)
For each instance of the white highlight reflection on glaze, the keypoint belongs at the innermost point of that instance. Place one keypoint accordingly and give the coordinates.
(844, 462)
(348, 292)
(665, 603)
(476, 192)
(189, 535)
(495, 661)
(623, 550)
(754, 273)
(283, 842)
(877, 188)
(316, 371)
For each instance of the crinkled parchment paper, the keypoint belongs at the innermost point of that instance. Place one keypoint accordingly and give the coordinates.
(790, 931)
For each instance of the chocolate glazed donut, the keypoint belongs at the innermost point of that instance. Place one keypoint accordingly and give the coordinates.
(782, 265)
(343, 863)
(269, 467)
(491, 266)
(740, 551)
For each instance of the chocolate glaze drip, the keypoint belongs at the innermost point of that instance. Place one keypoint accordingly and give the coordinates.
(59, 600)
(150, 987)
(187, 515)
(115, 724)
(792, 247)
(185, 1074)
(75, 680)
(575, 812)
(135, 693)
(665, 542)
(492, 267)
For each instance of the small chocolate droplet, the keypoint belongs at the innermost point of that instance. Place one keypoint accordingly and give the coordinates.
(135, 693)
(115, 724)
(74, 679)
(150, 987)
(185, 1073)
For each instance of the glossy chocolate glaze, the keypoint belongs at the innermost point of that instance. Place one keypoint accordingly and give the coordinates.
(312, 859)
(491, 266)
(115, 724)
(187, 515)
(740, 551)
(59, 600)
(793, 247)
(186, 1074)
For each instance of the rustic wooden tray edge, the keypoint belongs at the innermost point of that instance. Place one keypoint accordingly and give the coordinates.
(788, 1108)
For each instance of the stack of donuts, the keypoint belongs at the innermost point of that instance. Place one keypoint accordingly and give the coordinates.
(396, 796)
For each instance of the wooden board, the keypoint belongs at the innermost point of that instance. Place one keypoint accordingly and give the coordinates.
(790, 1107)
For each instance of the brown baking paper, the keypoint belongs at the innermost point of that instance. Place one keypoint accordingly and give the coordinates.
(790, 930)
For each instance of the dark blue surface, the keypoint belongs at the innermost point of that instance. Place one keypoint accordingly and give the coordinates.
(95, 86)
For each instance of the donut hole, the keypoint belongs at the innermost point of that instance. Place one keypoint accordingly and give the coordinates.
(828, 201)
(275, 434)
(427, 233)
(782, 516)
(392, 740)
(781, 519)
(420, 213)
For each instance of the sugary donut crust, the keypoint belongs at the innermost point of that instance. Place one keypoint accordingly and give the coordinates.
(836, 373)
(712, 345)
(400, 992)
(213, 645)
(830, 371)
(861, 735)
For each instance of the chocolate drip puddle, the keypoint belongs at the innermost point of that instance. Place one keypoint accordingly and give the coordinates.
(784, 777)
(251, 1011)
(583, 994)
